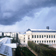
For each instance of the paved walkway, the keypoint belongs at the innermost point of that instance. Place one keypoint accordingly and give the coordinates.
(32, 51)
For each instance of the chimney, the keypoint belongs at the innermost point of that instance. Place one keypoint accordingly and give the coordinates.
(47, 27)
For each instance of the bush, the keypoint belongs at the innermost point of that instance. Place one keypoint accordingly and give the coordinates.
(0, 36)
(42, 49)
(23, 51)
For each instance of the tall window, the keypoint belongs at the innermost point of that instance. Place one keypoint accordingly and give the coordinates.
(54, 36)
(42, 41)
(28, 36)
(47, 41)
(32, 36)
(24, 37)
(47, 36)
(38, 36)
(24, 41)
(54, 41)
(51, 36)
(35, 36)
(42, 36)
(37, 41)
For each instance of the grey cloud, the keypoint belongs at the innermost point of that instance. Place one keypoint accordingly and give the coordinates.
(14, 10)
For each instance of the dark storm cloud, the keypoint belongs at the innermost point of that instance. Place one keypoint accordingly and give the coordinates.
(14, 10)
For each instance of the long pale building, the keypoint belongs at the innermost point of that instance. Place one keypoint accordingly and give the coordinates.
(45, 36)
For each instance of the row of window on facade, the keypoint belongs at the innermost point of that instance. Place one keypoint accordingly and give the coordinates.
(42, 36)
(48, 41)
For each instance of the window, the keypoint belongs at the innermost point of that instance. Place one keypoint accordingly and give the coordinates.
(24, 41)
(38, 36)
(35, 36)
(35, 41)
(42, 41)
(28, 36)
(54, 36)
(32, 36)
(42, 36)
(54, 41)
(47, 41)
(24, 38)
(51, 36)
(47, 36)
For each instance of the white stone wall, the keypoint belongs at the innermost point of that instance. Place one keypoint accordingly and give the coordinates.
(44, 38)
(28, 37)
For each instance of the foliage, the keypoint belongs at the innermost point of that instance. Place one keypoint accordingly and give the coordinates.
(0, 36)
(23, 51)
(42, 49)
(13, 40)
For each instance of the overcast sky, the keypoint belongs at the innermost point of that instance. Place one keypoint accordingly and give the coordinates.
(19, 15)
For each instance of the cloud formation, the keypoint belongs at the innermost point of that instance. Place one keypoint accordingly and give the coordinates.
(12, 11)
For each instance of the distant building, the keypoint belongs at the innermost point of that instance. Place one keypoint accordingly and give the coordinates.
(45, 36)
(11, 34)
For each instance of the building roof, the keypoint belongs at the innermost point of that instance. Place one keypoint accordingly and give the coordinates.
(42, 30)
(6, 46)
(28, 29)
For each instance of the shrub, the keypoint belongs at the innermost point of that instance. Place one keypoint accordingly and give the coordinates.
(42, 49)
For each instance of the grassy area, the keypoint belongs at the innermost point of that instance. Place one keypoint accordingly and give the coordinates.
(23, 51)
